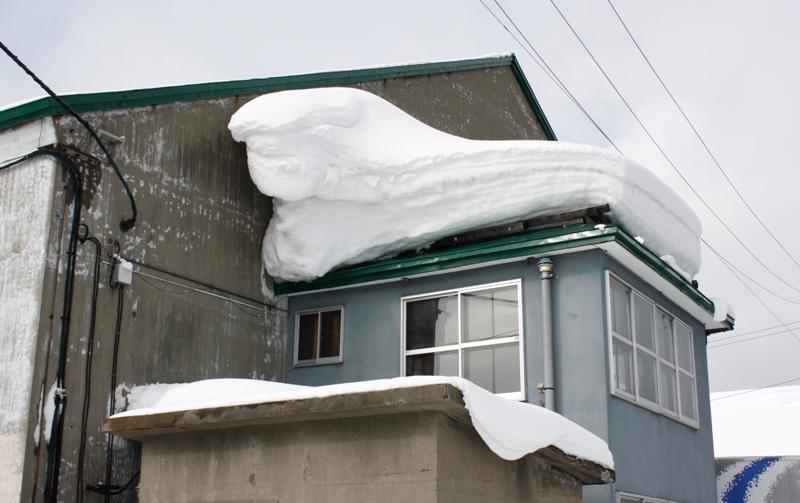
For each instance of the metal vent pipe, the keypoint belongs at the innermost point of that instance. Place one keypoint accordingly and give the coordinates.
(545, 266)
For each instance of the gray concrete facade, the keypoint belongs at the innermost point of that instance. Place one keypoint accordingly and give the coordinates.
(399, 445)
(655, 455)
(198, 307)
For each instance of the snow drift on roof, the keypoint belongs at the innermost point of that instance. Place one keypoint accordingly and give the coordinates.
(355, 178)
(510, 429)
(756, 423)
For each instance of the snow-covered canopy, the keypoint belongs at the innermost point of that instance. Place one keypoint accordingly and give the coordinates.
(510, 429)
(756, 423)
(355, 178)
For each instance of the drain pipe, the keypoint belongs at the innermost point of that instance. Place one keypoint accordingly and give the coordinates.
(545, 266)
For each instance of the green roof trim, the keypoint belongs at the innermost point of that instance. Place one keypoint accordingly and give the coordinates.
(45, 107)
(524, 245)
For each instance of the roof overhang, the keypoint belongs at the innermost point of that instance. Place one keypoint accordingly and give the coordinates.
(45, 107)
(612, 239)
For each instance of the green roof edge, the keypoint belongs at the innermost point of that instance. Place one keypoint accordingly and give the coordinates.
(523, 245)
(47, 106)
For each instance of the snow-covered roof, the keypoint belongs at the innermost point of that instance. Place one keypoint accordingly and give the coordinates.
(510, 429)
(354, 178)
(756, 423)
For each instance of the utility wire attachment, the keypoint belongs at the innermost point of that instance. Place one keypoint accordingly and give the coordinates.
(124, 225)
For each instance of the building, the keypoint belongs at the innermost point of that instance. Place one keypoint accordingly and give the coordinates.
(76, 332)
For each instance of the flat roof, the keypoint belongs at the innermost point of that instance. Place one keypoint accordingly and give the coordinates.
(608, 237)
(47, 106)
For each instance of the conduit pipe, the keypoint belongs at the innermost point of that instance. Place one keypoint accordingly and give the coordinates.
(545, 266)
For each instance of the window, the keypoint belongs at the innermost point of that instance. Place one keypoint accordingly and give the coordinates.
(474, 333)
(318, 336)
(632, 498)
(652, 356)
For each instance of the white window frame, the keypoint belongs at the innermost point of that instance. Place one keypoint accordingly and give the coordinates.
(318, 361)
(639, 499)
(460, 346)
(635, 346)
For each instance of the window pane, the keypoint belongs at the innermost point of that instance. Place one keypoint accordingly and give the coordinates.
(623, 366)
(669, 390)
(490, 314)
(329, 334)
(439, 364)
(620, 311)
(495, 368)
(687, 396)
(665, 338)
(643, 314)
(307, 337)
(648, 387)
(684, 340)
(432, 322)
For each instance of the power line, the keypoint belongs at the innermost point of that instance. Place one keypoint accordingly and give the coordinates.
(124, 225)
(664, 154)
(754, 293)
(755, 332)
(729, 264)
(747, 340)
(757, 389)
(705, 146)
(546, 68)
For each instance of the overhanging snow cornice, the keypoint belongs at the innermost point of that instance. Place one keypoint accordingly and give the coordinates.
(610, 238)
(45, 107)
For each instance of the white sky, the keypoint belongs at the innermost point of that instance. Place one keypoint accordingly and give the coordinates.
(732, 66)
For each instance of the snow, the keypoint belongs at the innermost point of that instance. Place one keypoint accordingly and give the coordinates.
(510, 429)
(355, 178)
(722, 309)
(756, 423)
(670, 260)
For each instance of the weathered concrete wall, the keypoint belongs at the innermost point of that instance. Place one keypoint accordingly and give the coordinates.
(201, 222)
(26, 192)
(483, 104)
(408, 444)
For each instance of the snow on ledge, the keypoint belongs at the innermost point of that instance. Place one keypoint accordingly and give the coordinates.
(510, 429)
(355, 178)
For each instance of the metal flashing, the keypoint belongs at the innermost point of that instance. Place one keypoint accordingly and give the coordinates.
(518, 247)
(44, 107)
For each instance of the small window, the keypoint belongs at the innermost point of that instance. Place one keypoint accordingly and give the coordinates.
(318, 336)
(474, 333)
(652, 359)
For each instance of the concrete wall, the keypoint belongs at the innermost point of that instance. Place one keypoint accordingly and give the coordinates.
(26, 191)
(201, 222)
(421, 456)
(655, 455)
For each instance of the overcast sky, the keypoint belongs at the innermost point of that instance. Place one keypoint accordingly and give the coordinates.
(731, 65)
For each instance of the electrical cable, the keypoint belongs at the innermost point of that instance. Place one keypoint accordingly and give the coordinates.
(755, 295)
(664, 154)
(755, 332)
(112, 392)
(546, 69)
(56, 435)
(124, 225)
(746, 340)
(757, 389)
(84, 235)
(113, 490)
(705, 146)
(728, 263)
